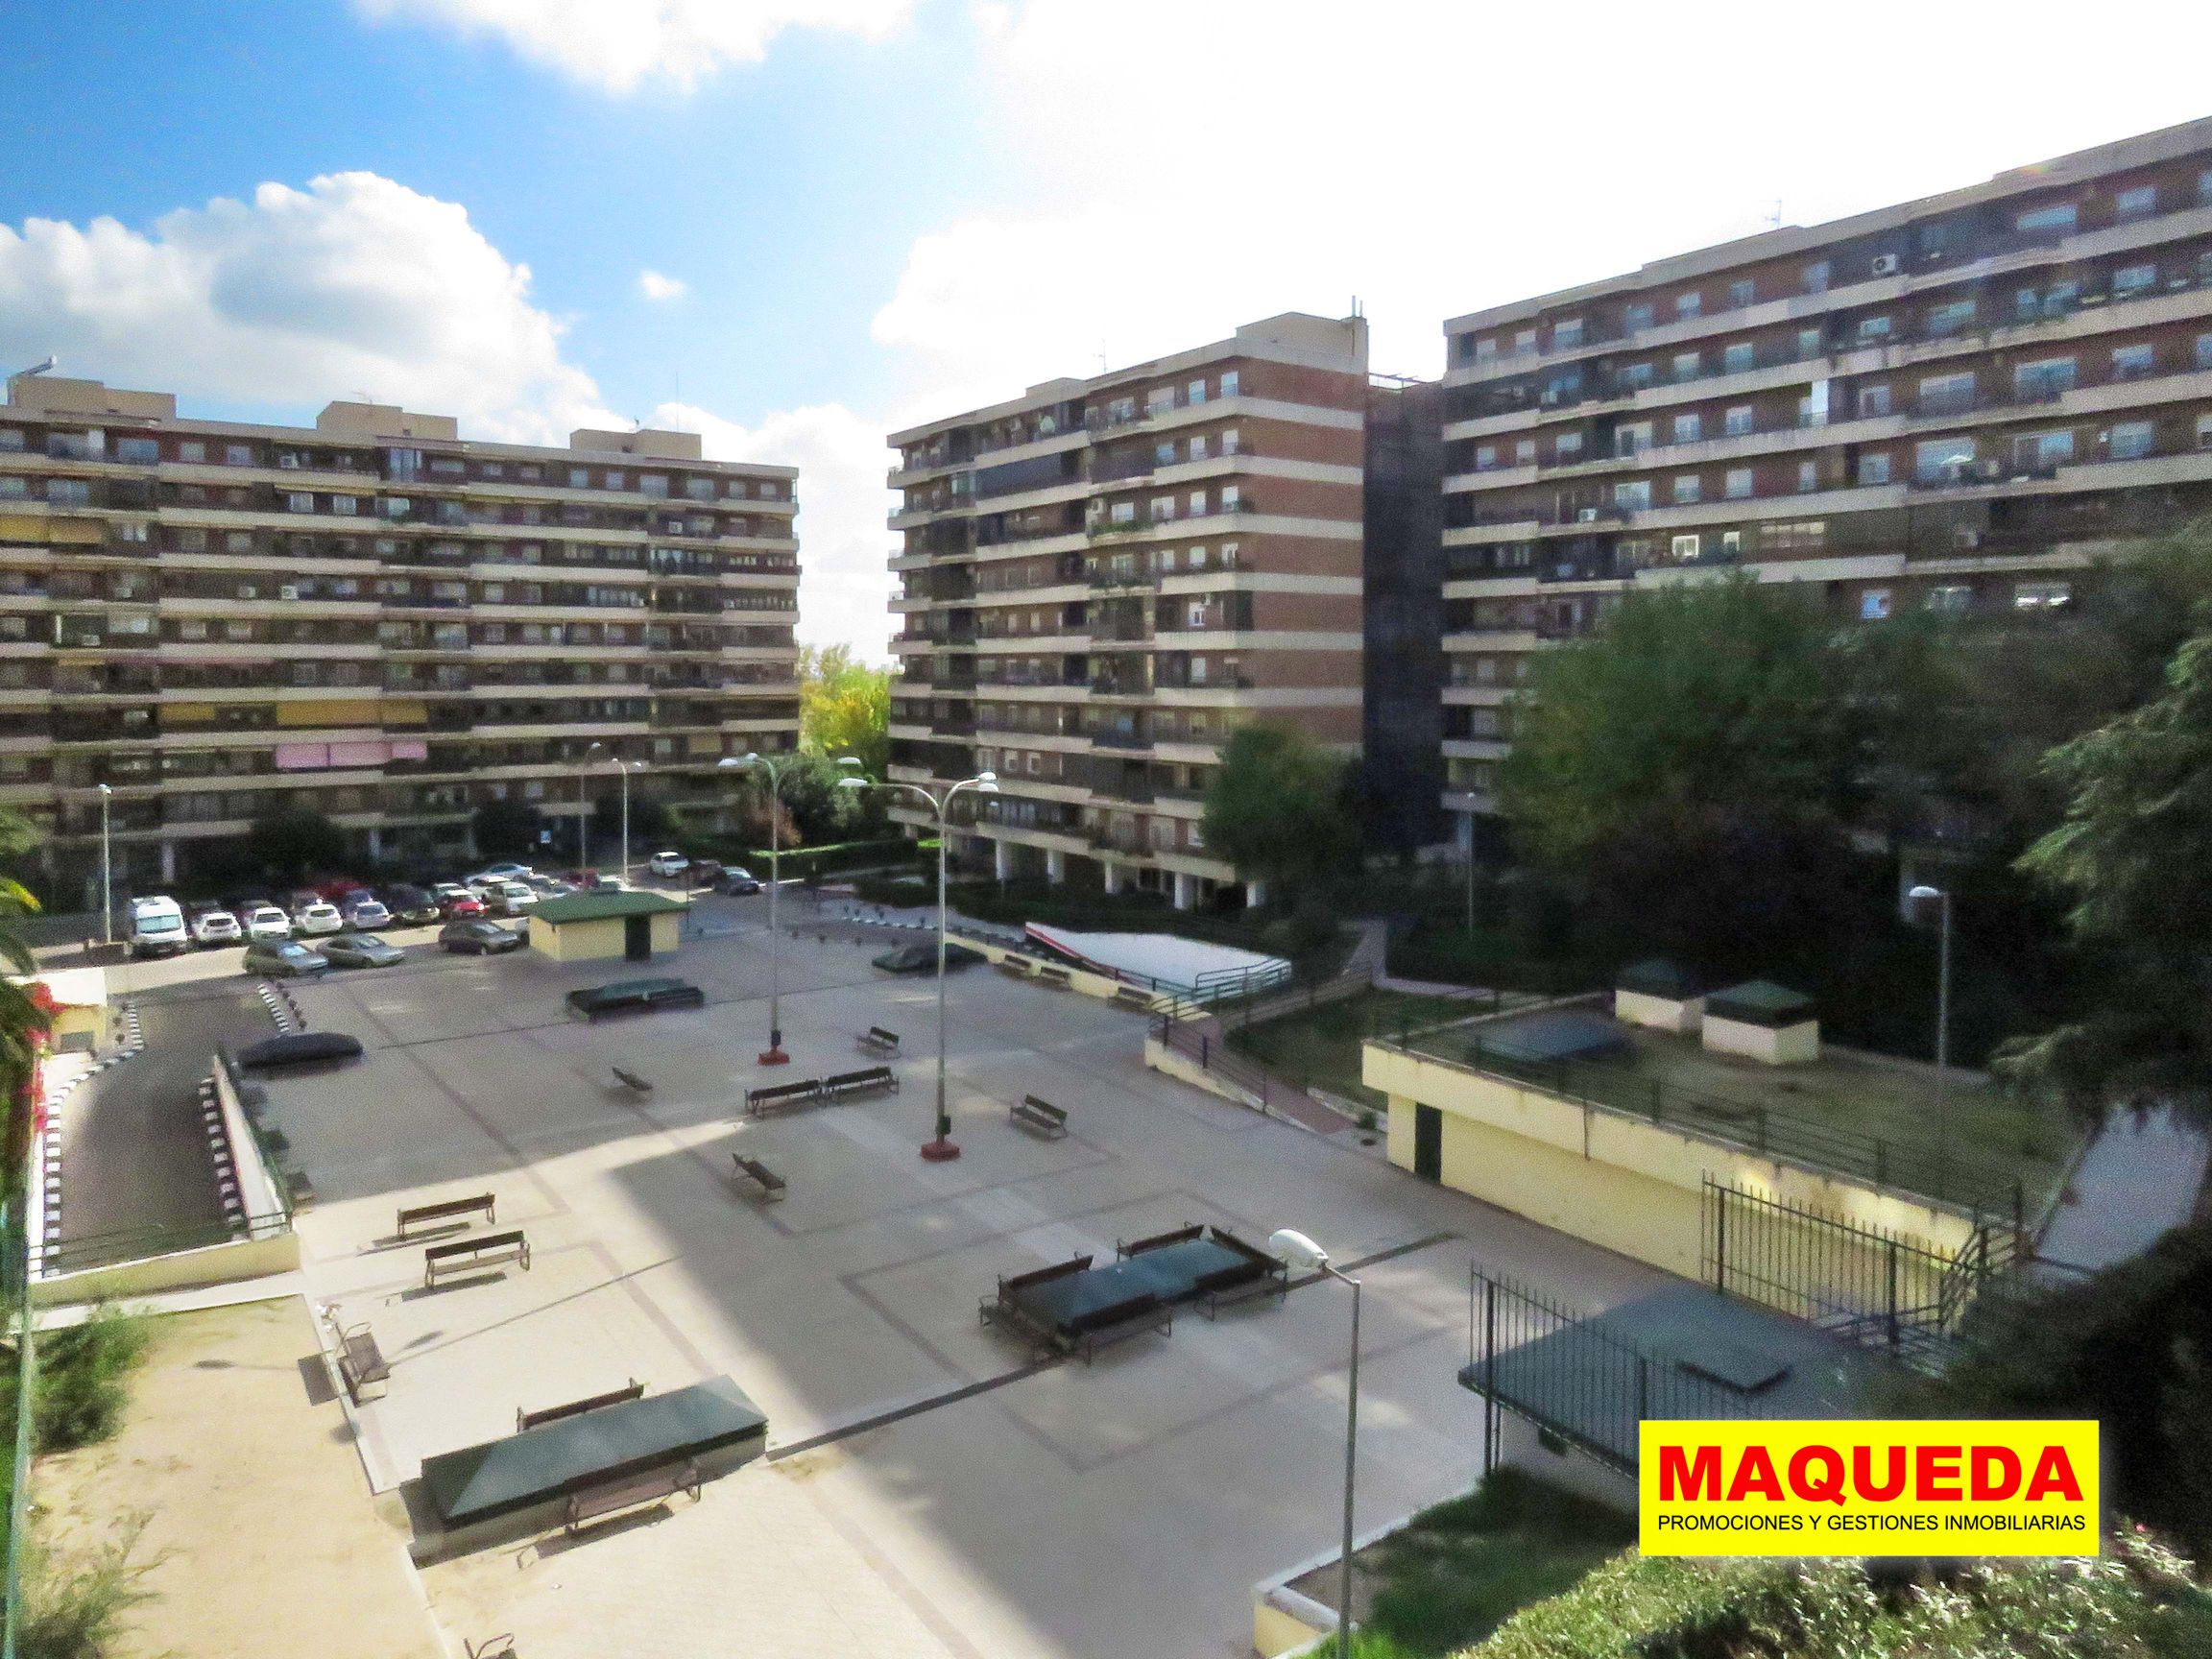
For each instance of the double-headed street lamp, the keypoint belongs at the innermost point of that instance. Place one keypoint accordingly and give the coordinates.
(942, 1148)
(1298, 1249)
(106, 869)
(625, 767)
(775, 1055)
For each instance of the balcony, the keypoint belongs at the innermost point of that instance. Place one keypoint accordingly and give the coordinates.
(1112, 737)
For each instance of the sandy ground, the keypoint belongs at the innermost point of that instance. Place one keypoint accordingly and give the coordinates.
(262, 1538)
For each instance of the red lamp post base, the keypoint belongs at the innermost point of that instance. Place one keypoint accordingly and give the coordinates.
(775, 1057)
(940, 1150)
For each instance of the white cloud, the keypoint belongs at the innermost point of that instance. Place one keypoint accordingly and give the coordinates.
(845, 584)
(355, 283)
(616, 45)
(656, 287)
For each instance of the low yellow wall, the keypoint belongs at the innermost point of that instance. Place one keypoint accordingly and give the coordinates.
(1101, 985)
(1162, 1058)
(1629, 1185)
(216, 1265)
(1275, 1632)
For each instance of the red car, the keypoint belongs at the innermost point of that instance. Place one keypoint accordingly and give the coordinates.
(456, 904)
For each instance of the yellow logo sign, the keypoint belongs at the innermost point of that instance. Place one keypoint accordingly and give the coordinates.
(1938, 1487)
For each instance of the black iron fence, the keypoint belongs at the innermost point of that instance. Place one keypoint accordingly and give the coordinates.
(1202, 1043)
(1558, 1368)
(141, 1243)
(1878, 1286)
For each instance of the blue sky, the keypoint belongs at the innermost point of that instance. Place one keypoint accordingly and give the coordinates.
(871, 211)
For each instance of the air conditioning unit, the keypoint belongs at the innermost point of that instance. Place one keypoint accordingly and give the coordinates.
(1585, 514)
(287, 461)
(1965, 538)
(287, 593)
(1885, 264)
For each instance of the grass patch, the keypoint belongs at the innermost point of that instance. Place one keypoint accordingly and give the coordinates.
(76, 1607)
(83, 1381)
(1320, 1046)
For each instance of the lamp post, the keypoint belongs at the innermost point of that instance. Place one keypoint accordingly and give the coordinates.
(1296, 1247)
(942, 1148)
(1924, 898)
(106, 871)
(625, 767)
(775, 1056)
(582, 811)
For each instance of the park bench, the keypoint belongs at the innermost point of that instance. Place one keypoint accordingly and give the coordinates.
(878, 1041)
(1041, 1117)
(1056, 978)
(869, 1081)
(771, 1184)
(449, 1211)
(631, 1390)
(1016, 967)
(1129, 997)
(611, 1494)
(360, 1362)
(776, 1096)
(470, 1253)
(632, 1081)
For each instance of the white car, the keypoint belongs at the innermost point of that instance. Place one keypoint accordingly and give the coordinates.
(311, 920)
(364, 914)
(510, 898)
(668, 864)
(216, 928)
(492, 875)
(265, 923)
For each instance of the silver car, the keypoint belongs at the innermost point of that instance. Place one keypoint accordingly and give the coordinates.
(360, 951)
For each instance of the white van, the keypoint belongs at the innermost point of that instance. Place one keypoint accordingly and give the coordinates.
(157, 928)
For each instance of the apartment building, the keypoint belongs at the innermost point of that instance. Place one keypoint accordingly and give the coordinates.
(1956, 403)
(203, 620)
(1102, 578)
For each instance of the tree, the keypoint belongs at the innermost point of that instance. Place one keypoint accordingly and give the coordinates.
(293, 841)
(505, 829)
(1278, 807)
(2132, 852)
(845, 706)
(650, 820)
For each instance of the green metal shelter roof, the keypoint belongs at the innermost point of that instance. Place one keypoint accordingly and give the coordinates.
(601, 906)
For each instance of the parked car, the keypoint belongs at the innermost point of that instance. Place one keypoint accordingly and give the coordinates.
(216, 928)
(361, 950)
(413, 906)
(492, 873)
(636, 996)
(668, 864)
(738, 881)
(300, 898)
(265, 924)
(337, 889)
(366, 911)
(284, 959)
(510, 898)
(157, 928)
(922, 959)
(592, 881)
(298, 1048)
(477, 938)
(456, 900)
(322, 917)
(704, 872)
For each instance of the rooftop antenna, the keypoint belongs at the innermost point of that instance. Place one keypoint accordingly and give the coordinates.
(26, 373)
(1774, 218)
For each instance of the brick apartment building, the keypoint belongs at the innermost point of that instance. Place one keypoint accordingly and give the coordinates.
(1956, 403)
(371, 617)
(1103, 578)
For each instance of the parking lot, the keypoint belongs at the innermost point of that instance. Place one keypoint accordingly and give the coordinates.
(1122, 1506)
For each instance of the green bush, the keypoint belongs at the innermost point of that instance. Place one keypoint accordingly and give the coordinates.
(1448, 954)
(74, 1607)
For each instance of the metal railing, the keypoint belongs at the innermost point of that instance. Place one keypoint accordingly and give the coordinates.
(140, 1244)
(1211, 1052)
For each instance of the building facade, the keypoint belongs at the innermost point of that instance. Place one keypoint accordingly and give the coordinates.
(1102, 578)
(204, 621)
(1957, 404)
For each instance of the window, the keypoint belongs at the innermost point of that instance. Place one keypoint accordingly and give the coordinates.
(1197, 503)
(1637, 318)
(1635, 376)
(1632, 495)
(1738, 483)
(68, 492)
(1231, 441)
(1484, 350)
(1198, 446)
(1946, 394)
(1229, 388)
(2131, 439)
(1873, 402)
(2059, 218)
(1631, 436)
(1685, 547)
(1525, 343)
(2132, 279)
(1950, 599)
(1814, 277)
(614, 479)
(1231, 498)
(192, 449)
(238, 455)
(299, 501)
(1688, 488)
(1737, 422)
(2138, 202)
(2133, 361)
(1808, 476)
(2044, 380)
(1158, 399)
(1688, 306)
(579, 478)
(2041, 450)
(1485, 457)
(144, 451)
(1795, 537)
(1124, 512)
(1196, 391)
(1196, 614)
(2204, 351)
(1873, 604)
(1164, 508)
(1949, 318)
(1874, 328)
(1741, 293)
(1567, 334)
(1688, 365)
(1737, 357)
(1567, 447)
(2042, 596)
(1942, 460)
(1689, 428)
(1808, 343)
(654, 485)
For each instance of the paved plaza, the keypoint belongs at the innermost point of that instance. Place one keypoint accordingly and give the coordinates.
(998, 1509)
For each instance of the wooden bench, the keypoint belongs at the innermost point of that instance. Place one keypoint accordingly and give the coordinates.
(632, 1081)
(631, 1390)
(360, 1362)
(464, 1253)
(1039, 1116)
(778, 1096)
(448, 1210)
(772, 1185)
(878, 1041)
(611, 1494)
(870, 1081)
(1056, 978)
(1129, 997)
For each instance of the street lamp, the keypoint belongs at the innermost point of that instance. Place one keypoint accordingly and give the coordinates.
(1924, 899)
(625, 767)
(107, 869)
(942, 1148)
(1297, 1248)
(755, 763)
